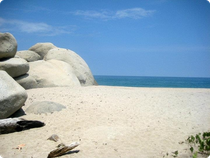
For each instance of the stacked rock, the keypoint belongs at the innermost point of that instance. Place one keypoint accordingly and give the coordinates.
(12, 95)
(43, 65)
(15, 67)
(51, 66)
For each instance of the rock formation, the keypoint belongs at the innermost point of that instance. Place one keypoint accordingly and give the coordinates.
(60, 67)
(43, 65)
(12, 97)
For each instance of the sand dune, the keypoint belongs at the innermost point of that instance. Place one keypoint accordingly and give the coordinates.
(113, 122)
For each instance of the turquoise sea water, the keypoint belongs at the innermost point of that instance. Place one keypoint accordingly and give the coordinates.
(137, 81)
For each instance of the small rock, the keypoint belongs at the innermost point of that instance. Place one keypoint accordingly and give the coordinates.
(54, 138)
(44, 107)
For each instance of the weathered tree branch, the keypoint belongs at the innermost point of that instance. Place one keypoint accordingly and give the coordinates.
(17, 124)
(63, 149)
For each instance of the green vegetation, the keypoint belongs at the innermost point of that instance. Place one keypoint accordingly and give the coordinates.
(198, 144)
(175, 153)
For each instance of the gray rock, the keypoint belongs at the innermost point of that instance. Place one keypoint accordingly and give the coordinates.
(44, 107)
(42, 48)
(26, 81)
(8, 45)
(80, 67)
(29, 55)
(14, 66)
(52, 73)
(12, 97)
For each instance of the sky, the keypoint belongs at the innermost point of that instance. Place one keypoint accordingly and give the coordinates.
(118, 37)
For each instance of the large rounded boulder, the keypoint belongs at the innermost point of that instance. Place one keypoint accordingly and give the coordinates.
(52, 73)
(42, 48)
(80, 67)
(8, 45)
(12, 97)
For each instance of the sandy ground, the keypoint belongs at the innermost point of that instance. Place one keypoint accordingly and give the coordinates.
(113, 122)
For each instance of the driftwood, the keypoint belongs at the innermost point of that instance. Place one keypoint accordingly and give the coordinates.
(62, 149)
(17, 124)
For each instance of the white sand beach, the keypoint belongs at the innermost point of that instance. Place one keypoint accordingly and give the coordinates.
(113, 122)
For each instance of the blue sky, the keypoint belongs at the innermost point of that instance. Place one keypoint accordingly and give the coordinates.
(118, 37)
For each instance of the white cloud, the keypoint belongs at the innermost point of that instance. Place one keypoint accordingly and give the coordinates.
(93, 14)
(29, 27)
(133, 13)
(32, 27)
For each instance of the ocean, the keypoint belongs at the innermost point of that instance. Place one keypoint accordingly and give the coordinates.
(138, 81)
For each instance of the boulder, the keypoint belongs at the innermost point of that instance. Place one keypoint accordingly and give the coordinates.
(44, 107)
(81, 69)
(26, 81)
(12, 97)
(42, 48)
(52, 73)
(14, 66)
(28, 55)
(8, 45)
